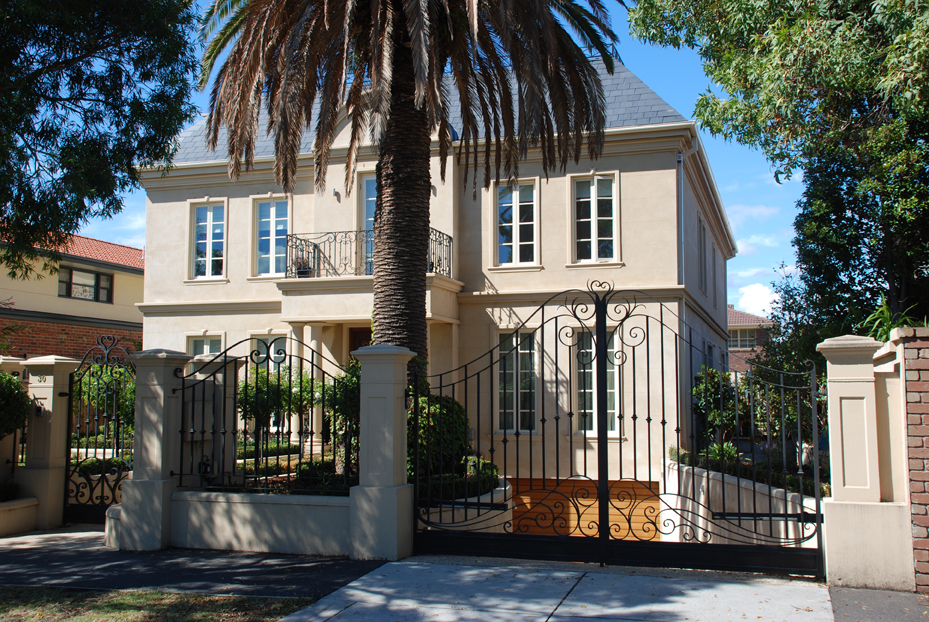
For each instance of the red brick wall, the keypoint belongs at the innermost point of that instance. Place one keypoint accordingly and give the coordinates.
(916, 361)
(46, 338)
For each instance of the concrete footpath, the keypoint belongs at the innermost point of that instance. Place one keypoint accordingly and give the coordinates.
(445, 589)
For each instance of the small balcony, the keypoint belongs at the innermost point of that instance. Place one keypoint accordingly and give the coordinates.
(351, 253)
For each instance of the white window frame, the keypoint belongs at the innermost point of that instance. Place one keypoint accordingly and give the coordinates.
(206, 336)
(715, 280)
(495, 225)
(530, 336)
(739, 338)
(572, 215)
(192, 259)
(365, 252)
(588, 425)
(273, 199)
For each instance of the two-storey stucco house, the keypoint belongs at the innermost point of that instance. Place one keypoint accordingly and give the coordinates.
(232, 262)
(94, 293)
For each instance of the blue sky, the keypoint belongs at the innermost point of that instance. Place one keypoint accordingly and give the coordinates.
(760, 210)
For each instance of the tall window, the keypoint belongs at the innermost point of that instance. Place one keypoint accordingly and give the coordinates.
(586, 383)
(594, 219)
(272, 237)
(516, 224)
(86, 285)
(715, 280)
(204, 345)
(701, 251)
(209, 240)
(741, 338)
(369, 204)
(516, 382)
(269, 352)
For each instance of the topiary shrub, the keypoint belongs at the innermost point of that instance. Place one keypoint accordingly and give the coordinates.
(15, 405)
(442, 436)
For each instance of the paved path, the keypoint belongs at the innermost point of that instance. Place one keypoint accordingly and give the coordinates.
(76, 558)
(507, 590)
(446, 589)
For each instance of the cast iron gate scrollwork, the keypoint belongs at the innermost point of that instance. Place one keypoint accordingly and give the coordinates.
(101, 419)
(605, 428)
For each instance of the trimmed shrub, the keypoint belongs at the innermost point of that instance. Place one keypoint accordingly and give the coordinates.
(15, 405)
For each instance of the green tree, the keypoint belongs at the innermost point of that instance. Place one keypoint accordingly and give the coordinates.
(838, 90)
(394, 67)
(15, 404)
(90, 92)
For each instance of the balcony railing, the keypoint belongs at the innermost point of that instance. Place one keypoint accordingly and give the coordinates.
(351, 253)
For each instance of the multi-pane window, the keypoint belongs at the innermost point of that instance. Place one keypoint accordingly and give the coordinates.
(741, 338)
(516, 382)
(369, 203)
(205, 345)
(209, 240)
(594, 219)
(701, 252)
(586, 412)
(516, 224)
(272, 237)
(85, 285)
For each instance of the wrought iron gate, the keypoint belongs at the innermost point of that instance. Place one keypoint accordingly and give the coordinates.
(101, 420)
(604, 428)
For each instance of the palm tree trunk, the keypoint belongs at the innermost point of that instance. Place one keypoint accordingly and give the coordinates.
(401, 222)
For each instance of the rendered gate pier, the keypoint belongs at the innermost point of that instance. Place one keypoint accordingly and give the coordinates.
(602, 428)
(101, 414)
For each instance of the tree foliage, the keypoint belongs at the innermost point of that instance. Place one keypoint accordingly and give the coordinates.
(838, 90)
(15, 404)
(90, 92)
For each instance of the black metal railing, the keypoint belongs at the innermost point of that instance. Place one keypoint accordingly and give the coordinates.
(259, 417)
(351, 253)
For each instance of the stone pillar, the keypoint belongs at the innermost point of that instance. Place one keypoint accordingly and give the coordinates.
(8, 449)
(145, 512)
(867, 539)
(48, 448)
(381, 522)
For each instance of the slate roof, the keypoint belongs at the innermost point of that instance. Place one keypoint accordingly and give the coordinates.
(89, 248)
(741, 318)
(629, 102)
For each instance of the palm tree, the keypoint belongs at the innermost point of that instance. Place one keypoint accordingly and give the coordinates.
(521, 79)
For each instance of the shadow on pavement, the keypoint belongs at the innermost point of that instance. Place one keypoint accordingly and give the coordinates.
(76, 558)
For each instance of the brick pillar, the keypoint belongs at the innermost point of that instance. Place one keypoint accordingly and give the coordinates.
(915, 343)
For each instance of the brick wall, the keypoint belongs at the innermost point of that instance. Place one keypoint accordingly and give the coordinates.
(46, 338)
(916, 367)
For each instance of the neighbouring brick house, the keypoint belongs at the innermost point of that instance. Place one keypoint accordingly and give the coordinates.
(746, 333)
(95, 292)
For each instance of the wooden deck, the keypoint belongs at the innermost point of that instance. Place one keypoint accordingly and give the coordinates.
(569, 507)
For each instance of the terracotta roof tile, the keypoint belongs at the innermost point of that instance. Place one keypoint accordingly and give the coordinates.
(741, 318)
(89, 248)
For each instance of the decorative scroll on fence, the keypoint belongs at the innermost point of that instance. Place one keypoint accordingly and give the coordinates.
(269, 416)
(602, 429)
(101, 420)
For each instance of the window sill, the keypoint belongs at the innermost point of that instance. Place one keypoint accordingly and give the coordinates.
(515, 267)
(265, 277)
(206, 281)
(596, 264)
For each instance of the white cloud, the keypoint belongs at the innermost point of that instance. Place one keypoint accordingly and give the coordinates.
(740, 214)
(750, 245)
(756, 299)
(745, 274)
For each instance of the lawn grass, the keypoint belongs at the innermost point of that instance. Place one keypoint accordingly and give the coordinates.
(28, 604)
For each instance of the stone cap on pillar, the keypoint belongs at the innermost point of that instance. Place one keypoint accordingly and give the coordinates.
(64, 363)
(382, 350)
(849, 345)
(898, 334)
(383, 363)
(160, 353)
